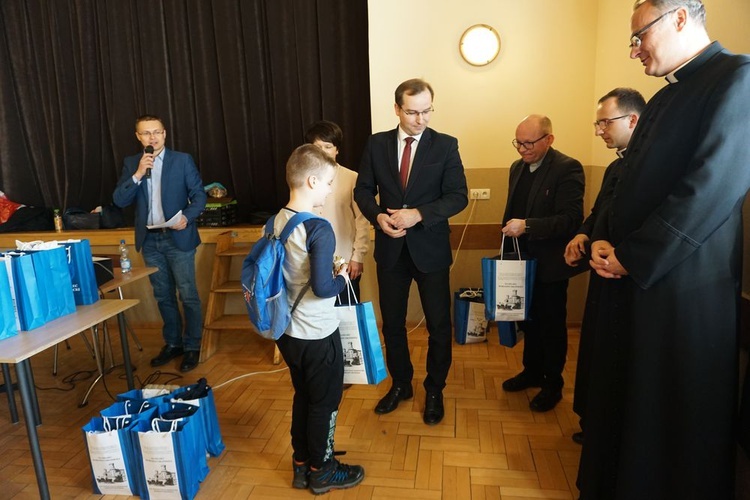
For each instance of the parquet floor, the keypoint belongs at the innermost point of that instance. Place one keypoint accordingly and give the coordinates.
(489, 446)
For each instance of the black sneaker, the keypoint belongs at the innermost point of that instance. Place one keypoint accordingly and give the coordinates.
(167, 354)
(335, 476)
(301, 475)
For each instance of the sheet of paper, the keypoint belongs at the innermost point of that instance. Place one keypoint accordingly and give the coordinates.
(170, 223)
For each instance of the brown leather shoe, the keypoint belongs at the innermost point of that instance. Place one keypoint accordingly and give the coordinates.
(395, 395)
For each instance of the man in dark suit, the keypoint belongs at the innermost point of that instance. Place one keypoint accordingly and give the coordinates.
(418, 174)
(661, 417)
(161, 183)
(544, 210)
(617, 114)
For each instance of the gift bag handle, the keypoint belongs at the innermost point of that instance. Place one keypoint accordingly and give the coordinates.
(350, 293)
(157, 428)
(120, 422)
(516, 247)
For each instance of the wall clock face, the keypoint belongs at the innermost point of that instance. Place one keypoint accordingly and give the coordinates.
(479, 45)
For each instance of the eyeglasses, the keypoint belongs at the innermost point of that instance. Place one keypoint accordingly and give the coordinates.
(412, 113)
(606, 122)
(635, 38)
(526, 145)
(149, 133)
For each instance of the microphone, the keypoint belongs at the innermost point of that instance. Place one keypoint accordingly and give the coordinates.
(149, 150)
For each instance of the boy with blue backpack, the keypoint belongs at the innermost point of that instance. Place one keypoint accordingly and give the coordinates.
(311, 345)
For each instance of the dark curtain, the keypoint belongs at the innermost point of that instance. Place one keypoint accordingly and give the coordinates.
(235, 81)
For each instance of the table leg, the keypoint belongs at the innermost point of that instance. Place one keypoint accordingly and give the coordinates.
(132, 333)
(37, 415)
(125, 350)
(9, 390)
(25, 387)
(99, 365)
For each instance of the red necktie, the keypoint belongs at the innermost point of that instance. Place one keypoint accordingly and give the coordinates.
(405, 160)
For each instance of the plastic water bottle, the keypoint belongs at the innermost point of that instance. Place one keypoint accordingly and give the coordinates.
(58, 221)
(124, 259)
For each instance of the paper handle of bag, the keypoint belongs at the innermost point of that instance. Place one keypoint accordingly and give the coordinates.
(120, 422)
(350, 293)
(516, 247)
(157, 428)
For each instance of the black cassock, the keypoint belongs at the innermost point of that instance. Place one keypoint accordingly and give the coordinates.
(661, 415)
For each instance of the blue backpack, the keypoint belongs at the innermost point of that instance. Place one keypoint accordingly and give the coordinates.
(263, 280)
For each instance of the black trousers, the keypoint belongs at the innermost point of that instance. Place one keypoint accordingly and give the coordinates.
(317, 371)
(434, 293)
(546, 334)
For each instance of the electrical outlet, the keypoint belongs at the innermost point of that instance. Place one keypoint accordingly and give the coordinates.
(479, 194)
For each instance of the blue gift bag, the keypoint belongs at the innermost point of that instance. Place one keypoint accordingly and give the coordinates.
(52, 272)
(8, 326)
(155, 396)
(360, 340)
(509, 333)
(31, 308)
(170, 461)
(469, 324)
(131, 408)
(508, 283)
(180, 411)
(82, 276)
(112, 456)
(201, 395)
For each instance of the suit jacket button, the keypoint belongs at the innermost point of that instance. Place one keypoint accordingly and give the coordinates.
(404, 206)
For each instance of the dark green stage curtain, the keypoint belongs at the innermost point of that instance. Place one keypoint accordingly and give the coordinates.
(236, 82)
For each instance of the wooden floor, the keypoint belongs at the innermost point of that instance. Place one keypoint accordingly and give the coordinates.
(489, 446)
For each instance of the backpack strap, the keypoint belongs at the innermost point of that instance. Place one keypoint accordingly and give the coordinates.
(291, 224)
(268, 228)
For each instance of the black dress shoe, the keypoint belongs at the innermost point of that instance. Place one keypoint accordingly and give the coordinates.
(546, 400)
(433, 408)
(521, 382)
(167, 354)
(578, 437)
(190, 361)
(395, 395)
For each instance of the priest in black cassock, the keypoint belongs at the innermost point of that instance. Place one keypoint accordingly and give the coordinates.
(661, 414)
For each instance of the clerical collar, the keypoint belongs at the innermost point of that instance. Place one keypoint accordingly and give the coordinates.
(534, 166)
(672, 77)
(621, 152)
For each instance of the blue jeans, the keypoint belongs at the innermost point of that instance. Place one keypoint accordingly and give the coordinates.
(176, 274)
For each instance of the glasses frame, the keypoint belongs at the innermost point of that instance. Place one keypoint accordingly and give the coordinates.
(607, 122)
(151, 133)
(516, 144)
(635, 37)
(413, 114)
